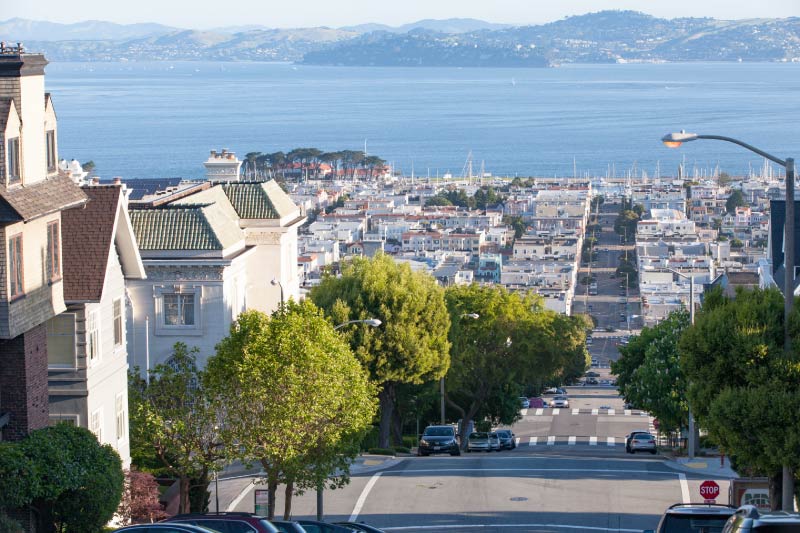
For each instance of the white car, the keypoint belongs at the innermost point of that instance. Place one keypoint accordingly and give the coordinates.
(560, 402)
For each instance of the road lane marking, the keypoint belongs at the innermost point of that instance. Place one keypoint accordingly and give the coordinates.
(611, 412)
(592, 441)
(236, 501)
(551, 440)
(492, 526)
(556, 411)
(593, 470)
(684, 488)
(533, 441)
(516, 441)
(595, 411)
(523, 412)
(571, 441)
(627, 412)
(576, 411)
(363, 498)
(610, 441)
(539, 412)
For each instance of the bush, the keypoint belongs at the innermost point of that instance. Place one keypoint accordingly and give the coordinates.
(381, 451)
(7, 525)
(140, 500)
(370, 439)
(401, 449)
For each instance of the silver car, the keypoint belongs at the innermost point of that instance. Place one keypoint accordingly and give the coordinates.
(560, 402)
(643, 442)
(480, 441)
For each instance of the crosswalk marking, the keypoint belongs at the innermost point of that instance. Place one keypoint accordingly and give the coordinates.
(516, 441)
(571, 441)
(611, 412)
(533, 441)
(539, 412)
(551, 440)
(556, 411)
(523, 412)
(610, 441)
(627, 412)
(592, 441)
(576, 411)
(595, 411)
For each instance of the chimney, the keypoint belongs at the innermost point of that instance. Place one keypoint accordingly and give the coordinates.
(117, 181)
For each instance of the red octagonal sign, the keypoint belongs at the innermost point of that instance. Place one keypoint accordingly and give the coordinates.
(709, 490)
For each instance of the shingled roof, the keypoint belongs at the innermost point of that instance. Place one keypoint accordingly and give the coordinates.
(87, 235)
(260, 200)
(42, 198)
(184, 227)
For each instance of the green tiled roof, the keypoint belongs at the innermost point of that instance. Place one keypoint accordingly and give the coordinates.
(184, 228)
(250, 200)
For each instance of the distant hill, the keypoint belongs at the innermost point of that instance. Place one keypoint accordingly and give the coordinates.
(602, 37)
(22, 30)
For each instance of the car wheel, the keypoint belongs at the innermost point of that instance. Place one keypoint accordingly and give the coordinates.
(653, 452)
(468, 450)
(456, 453)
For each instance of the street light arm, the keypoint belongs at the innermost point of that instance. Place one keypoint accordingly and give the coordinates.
(674, 140)
(374, 322)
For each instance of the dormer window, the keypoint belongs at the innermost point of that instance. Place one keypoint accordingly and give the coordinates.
(12, 160)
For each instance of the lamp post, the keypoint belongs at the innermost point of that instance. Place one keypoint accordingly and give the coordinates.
(674, 140)
(279, 284)
(373, 322)
(473, 316)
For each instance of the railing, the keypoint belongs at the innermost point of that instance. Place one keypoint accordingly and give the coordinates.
(11, 50)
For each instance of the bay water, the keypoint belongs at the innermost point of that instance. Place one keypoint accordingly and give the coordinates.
(160, 119)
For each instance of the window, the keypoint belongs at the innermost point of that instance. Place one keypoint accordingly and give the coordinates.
(118, 322)
(50, 143)
(120, 418)
(92, 337)
(53, 261)
(179, 309)
(15, 289)
(61, 341)
(12, 158)
(96, 424)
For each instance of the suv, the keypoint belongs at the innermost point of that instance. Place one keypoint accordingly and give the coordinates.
(630, 436)
(227, 522)
(748, 519)
(693, 517)
(438, 439)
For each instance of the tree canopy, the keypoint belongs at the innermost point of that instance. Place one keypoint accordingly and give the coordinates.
(411, 345)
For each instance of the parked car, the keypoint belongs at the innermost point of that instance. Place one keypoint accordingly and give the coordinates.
(481, 441)
(288, 526)
(590, 381)
(438, 439)
(507, 439)
(592, 374)
(551, 390)
(693, 517)
(165, 528)
(643, 442)
(233, 522)
(524, 402)
(629, 436)
(537, 403)
(315, 526)
(560, 402)
(748, 519)
(359, 526)
(494, 441)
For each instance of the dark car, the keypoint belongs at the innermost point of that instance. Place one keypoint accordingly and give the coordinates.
(314, 526)
(507, 439)
(288, 526)
(438, 439)
(693, 517)
(748, 519)
(165, 528)
(358, 526)
(227, 522)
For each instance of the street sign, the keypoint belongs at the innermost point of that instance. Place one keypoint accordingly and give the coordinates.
(262, 502)
(709, 490)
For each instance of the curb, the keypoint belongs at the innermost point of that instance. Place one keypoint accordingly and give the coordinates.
(701, 467)
(374, 463)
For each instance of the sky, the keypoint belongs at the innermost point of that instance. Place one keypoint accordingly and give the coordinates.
(202, 14)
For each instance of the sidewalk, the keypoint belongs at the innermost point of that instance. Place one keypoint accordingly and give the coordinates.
(709, 466)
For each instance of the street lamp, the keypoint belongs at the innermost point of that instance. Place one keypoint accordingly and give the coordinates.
(674, 140)
(374, 322)
(279, 284)
(474, 316)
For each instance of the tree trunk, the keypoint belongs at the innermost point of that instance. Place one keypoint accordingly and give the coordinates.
(776, 491)
(386, 397)
(272, 488)
(287, 504)
(397, 428)
(183, 495)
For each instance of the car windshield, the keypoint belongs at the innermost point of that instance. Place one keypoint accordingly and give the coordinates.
(439, 432)
(477, 435)
(677, 523)
(504, 433)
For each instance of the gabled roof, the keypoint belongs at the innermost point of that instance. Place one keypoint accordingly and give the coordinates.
(29, 202)
(185, 227)
(88, 236)
(260, 200)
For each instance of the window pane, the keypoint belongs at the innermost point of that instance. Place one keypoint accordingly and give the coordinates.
(117, 322)
(61, 340)
(171, 314)
(187, 301)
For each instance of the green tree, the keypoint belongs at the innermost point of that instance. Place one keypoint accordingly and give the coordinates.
(514, 341)
(625, 223)
(88, 166)
(649, 373)
(437, 201)
(411, 346)
(516, 222)
(175, 424)
(736, 199)
(297, 399)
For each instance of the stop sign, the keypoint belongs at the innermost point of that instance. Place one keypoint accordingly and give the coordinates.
(709, 490)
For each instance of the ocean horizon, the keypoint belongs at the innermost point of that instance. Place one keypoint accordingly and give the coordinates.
(160, 119)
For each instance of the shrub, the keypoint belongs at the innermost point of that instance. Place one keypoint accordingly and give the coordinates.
(401, 449)
(381, 451)
(140, 500)
(370, 439)
(7, 525)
